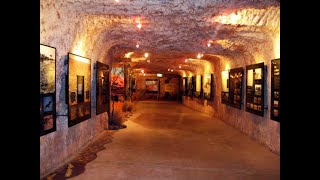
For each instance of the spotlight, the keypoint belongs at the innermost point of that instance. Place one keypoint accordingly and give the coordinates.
(139, 25)
(199, 56)
(179, 66)
(186, 60)
(168, 69)
(137, 46)
(209, 44)
(171, 70)
(146, 55)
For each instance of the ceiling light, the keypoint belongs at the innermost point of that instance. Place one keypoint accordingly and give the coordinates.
(146, 55)
(179, 66)
(144, 74)
(139, 25)
(142, 71)
(199, 56)
(202, 55)
(137, 46)
(171, 70)
(168, 69)
(186, 60)
(209, 44)
(117, 0)
(148, 61)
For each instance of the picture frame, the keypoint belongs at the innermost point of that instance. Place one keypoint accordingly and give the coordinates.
(102, 88)
(208, 93)
(255, 80)
(235, 87)
(78, 86)
(275, 90)
(225, 87)
(47, 89)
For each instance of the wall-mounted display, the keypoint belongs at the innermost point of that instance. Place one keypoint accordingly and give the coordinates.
(190, 86)
(208, 87)
(152, 85)
(255, 89)
(275, 89)
(225, 87)
(235, 87)
(102, 88)
(117, 83)
(78, 89)
(47, 89)
(198, 89)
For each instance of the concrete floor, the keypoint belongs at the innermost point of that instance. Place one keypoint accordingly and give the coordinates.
(166, 140)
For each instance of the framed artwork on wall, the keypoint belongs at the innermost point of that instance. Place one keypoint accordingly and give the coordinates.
(152, 85)
(198, 88)
(208, 87)
(102, 88)
(235, 87)
(47, 89)
(190, 86)
(275, 90)
(78, 87)
(255, 89)
(225, 87)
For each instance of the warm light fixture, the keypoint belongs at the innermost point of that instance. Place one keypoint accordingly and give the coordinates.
(142, 71)
(79, 58)
(148, 61)
(199, 56)
(179, 66)
(171, 70)
(209, 44)
(137, 46)
(144, 74)
(186, 60)
(139, 25)
(117, 0)
(168, 69)
(127, 55)
(146, 55)
(202, 55)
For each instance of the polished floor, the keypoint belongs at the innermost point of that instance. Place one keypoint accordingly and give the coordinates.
(166, 140)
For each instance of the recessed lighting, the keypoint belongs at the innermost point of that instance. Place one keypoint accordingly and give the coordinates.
(168, 69)
(209, 44)
(117, 0)
(137, 46)
(171, 70)
(199, 56)
(186, 60)
(179, 66)
(146, 55)
(144, 74)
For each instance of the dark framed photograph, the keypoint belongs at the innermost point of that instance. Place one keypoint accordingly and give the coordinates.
(275, 90)
(259, 108)
(78, 85)
(235, 87)
(47, 89)
(102, 88)
(257, 89)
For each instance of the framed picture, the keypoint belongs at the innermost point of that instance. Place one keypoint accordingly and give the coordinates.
(78, 87)
(275, 90)
(117, 83)
(102, 88)
(235, 87)
(47, 89)
(225, 87)
(152, 85)
(208, 87)
(255, 88)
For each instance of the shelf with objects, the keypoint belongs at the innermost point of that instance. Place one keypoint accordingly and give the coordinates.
(255, 89)
(275, 90)
(235, 87)
(47, 89)
(78, 89)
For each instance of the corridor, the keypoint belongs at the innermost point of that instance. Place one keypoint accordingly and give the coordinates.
(166, 140)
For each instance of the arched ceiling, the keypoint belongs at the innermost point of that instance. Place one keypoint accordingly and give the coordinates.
(175, 30)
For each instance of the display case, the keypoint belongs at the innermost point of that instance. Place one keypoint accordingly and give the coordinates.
(78, 87)
(255, 89)
(47, 89)
(275, 90)
(102, 88)
(208, 87)
(225, 87)
(235, 87)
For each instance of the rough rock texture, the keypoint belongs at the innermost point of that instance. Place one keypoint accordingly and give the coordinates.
(240, 32)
